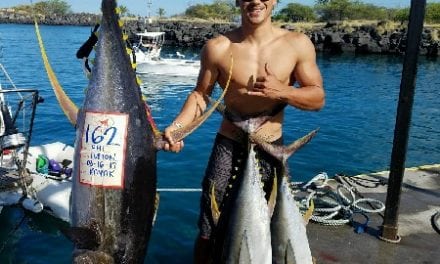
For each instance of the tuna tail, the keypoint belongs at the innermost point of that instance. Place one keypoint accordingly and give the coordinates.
(181, 133)
(282, 153)
(248, 125)
(69, 108)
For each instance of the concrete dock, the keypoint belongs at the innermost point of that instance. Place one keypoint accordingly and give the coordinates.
(419, 239)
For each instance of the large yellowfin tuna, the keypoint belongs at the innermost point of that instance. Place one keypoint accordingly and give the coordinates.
(261, 231)
(114, 181)
(247, 228)
(288, 228)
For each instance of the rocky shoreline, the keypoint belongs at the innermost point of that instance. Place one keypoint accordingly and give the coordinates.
(330, 38)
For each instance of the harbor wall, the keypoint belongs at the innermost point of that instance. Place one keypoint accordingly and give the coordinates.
(331, 37)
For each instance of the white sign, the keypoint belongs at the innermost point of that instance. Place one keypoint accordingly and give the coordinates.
(102, 155)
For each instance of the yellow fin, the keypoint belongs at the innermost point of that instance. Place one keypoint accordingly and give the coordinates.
(309, 212)
(214, 207)
(121, 23)
(67, 105)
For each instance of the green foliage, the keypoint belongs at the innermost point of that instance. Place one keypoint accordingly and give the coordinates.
(432, 13)
(46, 8)
(357, 10)
(123, 9)
(161, 12)
(58, 7)
(220, 9)
(335, 9)
(294, 12)
(401, 15)
(360, 10)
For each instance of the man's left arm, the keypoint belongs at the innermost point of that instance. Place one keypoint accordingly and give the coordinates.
(310, 94)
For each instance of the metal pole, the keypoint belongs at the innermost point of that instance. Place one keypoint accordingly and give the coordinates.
(403, 120)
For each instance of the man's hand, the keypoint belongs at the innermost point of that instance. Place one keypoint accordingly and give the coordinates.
(172, 146)
(268, 86)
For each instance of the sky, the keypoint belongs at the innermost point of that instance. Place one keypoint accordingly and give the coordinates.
(173, 7)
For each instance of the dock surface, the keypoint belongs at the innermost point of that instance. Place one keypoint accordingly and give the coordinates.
(419, 240)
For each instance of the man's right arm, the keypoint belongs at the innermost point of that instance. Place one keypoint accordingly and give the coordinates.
(196, 102)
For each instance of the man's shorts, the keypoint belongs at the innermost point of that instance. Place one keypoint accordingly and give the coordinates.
(226, 164)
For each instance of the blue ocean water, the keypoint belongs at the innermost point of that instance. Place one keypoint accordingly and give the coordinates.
(356, 134)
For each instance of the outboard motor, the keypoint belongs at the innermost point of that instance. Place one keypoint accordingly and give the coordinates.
(10, 138)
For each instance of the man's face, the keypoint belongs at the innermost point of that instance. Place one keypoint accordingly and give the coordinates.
(256, 11)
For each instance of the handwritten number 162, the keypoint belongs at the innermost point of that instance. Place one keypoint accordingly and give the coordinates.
(97, 137)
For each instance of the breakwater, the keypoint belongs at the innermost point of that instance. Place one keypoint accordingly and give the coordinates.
(331, 37)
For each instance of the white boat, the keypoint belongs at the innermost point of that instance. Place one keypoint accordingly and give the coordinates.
(148, 58)
(20, 181)
(52, 189)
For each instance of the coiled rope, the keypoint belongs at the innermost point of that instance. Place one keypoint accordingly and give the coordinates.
(336, 204)
(435, 221)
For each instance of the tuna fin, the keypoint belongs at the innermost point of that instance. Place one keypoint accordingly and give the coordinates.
(82, 237)
(244, 255)
(156, 131)
(69, 108)
(273, 195)
(308, 215)
(215, 211)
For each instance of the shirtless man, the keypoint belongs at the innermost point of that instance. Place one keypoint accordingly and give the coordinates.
(268, 61)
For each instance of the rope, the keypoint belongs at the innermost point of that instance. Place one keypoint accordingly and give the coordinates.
(336, 205)
(10, 80)
(179, 189)
(435, 221)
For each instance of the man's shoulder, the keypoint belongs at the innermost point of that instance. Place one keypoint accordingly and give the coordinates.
(293, 35)
(220, 43)
(227, 37)
(297, 40)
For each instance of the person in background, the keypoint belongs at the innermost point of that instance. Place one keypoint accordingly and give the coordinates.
(268, 62)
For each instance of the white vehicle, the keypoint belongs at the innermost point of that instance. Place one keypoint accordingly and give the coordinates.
(21, 180)
(148, 58)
